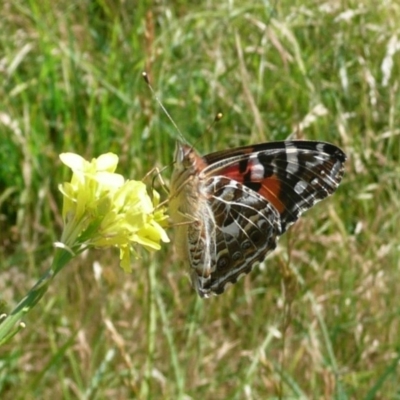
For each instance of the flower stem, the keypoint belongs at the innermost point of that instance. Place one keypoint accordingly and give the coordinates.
(7, 327)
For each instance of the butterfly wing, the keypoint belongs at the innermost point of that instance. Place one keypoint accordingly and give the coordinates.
(231, 206)
(291, 175)
(245, 228)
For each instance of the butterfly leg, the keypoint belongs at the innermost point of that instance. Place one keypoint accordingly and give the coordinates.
(157, 175)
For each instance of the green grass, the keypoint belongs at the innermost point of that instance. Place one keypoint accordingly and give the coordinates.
(321, 318)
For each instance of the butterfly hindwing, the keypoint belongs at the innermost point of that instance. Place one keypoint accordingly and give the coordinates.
(246, 228)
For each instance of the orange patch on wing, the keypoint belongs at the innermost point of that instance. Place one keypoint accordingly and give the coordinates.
(233, 172)
(270, 189)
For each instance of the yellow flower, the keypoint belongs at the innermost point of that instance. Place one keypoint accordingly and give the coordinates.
(101, 209)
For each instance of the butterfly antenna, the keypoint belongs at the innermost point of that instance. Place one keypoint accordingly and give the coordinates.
(217, 118)
(146, 79)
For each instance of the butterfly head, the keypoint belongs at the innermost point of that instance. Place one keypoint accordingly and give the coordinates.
(187, 159)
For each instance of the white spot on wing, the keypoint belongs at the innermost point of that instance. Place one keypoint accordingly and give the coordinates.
(292, 159)
(257, 171)
(312, 164)
(290, 149)
(300, 187)
(321, 147)
(232, 229)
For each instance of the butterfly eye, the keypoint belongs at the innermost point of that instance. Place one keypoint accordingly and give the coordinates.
(187, 162)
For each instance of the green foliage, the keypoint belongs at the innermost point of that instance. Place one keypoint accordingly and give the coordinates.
(320, 318)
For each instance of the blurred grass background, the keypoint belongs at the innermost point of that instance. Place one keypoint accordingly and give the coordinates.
(320, 318)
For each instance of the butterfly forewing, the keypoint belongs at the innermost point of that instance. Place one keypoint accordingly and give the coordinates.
(231, 206)
(292, 175)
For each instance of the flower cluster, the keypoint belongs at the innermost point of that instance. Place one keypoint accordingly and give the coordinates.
(101, 209)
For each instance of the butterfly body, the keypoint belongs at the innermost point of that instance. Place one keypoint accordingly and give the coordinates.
(190, 210)
(230, 207)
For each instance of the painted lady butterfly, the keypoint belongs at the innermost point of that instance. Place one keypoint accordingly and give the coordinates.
(230, 207)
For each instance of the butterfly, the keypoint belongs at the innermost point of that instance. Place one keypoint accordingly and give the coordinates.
(230, 207)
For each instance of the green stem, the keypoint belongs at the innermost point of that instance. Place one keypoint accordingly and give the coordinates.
(7, 329)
